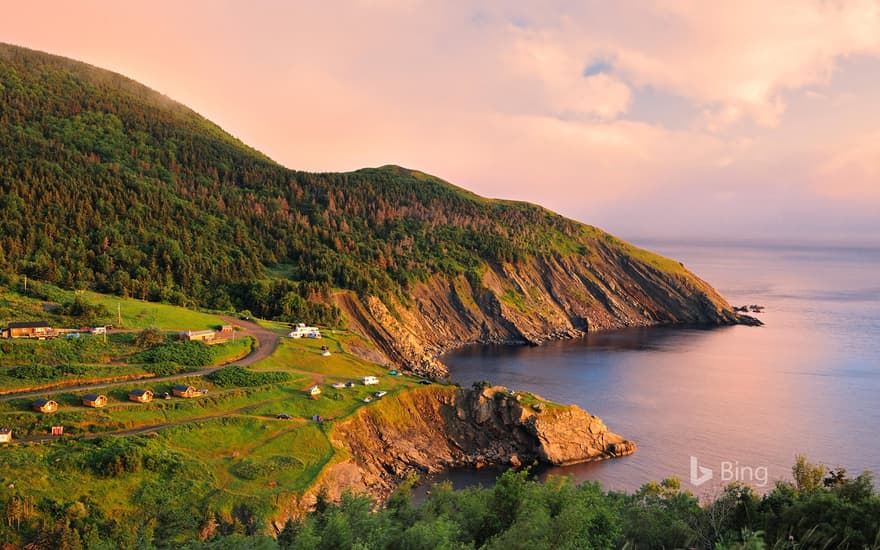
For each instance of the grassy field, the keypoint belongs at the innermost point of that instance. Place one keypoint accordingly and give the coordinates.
(135, 313)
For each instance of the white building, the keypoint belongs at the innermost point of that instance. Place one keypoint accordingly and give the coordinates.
(302, 331)
(370, 380)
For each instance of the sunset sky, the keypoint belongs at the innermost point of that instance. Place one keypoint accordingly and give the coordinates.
(665, 119)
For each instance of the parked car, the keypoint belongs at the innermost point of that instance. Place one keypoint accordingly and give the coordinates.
(283, 416)
(381, 393)
(424, 382)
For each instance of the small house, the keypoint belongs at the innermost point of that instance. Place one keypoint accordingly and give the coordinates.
(349, 384)
(5, 435)
(370, 380)
(94, 400)
(57, 430)
(29, 329)
(314, 391)
(204, 336)
(140, 396)
(302, 331)
(182, 390)
(45, 405)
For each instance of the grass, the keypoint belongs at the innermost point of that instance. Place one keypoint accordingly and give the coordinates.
(141, 314)
(135, 313)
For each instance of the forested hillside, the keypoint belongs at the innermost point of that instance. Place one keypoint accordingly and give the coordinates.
(108, 185)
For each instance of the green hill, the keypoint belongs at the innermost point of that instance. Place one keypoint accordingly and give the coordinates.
(108, 185)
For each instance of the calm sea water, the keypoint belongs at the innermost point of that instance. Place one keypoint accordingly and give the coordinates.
(739, 399)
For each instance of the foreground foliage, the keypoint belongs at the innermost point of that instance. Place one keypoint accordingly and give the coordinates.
(516, 513)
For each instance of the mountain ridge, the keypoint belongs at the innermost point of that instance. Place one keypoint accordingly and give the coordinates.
(110, 185)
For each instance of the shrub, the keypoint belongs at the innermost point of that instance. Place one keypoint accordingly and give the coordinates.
(229, 377)
(165, 368)
(190, 354)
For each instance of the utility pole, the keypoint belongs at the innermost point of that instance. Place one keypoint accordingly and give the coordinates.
(25, 284)
(118, 314)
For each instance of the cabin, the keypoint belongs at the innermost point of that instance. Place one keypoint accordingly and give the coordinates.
(302, 331)
(204, 336)
(5, 435)
(94, 400)
(40, 330)
(182, 390)
(140, 396)
(57, 430)
(370, 380)
(45, 405)
(315, 391)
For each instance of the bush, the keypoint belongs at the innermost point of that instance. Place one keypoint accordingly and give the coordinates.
(190, 354)
(149, 337)
(35, 372)
(165, 368)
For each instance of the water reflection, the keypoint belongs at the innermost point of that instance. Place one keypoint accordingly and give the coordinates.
(807, 382)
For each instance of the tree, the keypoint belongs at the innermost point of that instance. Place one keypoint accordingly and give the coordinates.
(807, 476)
(149, 337)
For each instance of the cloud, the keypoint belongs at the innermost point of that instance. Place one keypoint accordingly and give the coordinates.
(852, 171)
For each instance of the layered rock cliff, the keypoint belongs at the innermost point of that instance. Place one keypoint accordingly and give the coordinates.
(430, 429)
(608, 286)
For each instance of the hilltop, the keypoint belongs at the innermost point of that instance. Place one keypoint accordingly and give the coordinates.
(111, 186)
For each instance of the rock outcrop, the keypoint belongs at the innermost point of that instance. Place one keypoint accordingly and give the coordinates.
(433, 428)
(536, 300)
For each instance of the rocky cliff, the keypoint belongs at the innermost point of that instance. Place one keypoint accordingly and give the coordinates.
(430, 429)
(533, 301)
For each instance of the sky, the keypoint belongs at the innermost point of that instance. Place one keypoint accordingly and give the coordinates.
(653, 119)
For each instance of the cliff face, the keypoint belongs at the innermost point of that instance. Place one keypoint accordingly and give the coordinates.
(430, 429)
(537, 300)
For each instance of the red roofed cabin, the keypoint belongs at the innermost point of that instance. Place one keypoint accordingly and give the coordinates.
(141, 396)
(29, 329)
(94, 400)
(45, 405)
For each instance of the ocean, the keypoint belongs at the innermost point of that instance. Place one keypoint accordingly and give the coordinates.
(739, 402)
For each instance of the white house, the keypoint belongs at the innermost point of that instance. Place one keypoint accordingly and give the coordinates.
(5, 435)
(370, 380)
(315, 391)
(302, 331)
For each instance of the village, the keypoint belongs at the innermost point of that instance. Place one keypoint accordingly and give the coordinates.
(45, 405)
